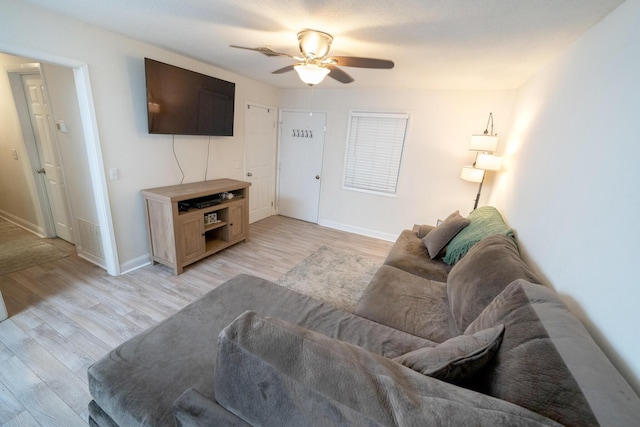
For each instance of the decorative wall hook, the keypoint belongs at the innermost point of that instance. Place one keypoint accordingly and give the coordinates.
(302, 133)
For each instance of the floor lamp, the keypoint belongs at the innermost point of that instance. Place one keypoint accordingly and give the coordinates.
(484, 145)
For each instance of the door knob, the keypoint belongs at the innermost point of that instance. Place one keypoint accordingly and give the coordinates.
(317, 176)
(249, 174)
(41, 170)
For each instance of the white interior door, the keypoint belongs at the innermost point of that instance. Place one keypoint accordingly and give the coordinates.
(300, 167)
(260, 160)
(50, 167)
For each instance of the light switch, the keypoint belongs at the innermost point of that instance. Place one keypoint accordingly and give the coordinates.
(62, 126)
(113, 174)
(14, 153)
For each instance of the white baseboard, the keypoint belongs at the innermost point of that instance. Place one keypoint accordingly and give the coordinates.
(134, 264)
(359, 230)
(90, 257)
(23, 224)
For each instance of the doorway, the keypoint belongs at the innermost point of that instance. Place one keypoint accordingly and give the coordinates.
(103, 233)
(300, 164)
(36, 121)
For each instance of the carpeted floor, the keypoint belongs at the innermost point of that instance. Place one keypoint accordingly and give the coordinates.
(332, 275)
(20, 249)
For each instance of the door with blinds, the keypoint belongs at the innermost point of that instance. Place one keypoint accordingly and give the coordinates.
(300, 164)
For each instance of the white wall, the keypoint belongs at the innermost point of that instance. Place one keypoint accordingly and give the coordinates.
(117, 78)
(436, 148)
(572, 181)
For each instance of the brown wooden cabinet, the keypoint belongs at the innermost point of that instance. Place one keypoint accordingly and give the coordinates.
(181, 233)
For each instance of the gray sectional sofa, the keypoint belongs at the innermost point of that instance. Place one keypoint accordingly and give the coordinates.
(479, 342)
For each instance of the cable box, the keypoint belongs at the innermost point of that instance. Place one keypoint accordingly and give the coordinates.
(204, 203)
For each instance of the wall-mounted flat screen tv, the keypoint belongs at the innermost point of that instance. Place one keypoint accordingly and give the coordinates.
(183, 102)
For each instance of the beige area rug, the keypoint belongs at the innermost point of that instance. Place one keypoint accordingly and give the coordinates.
(332, 275)
(20, 249)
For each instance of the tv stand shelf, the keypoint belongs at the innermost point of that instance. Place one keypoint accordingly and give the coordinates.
(178, 237)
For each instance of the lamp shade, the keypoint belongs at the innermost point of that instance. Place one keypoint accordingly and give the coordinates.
(489, 162)
(311, 74)
(486, 143)
(471, 174)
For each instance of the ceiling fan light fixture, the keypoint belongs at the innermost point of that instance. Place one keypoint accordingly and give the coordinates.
(314, 44)
(314, 64)
(311, 74)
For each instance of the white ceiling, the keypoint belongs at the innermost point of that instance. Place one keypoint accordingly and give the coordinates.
(435, 44)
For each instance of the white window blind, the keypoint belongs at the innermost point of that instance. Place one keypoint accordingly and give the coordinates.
(374, 151)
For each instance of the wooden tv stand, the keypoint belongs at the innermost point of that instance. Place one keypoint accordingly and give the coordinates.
(179, 236)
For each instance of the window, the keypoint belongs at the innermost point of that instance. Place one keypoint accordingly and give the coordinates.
(374, 150)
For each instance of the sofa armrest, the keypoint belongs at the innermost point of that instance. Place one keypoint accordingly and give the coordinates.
(422, 229)
(408, 253)
(192, 409)
(273, 373)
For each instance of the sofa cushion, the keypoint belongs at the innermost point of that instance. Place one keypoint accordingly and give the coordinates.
(437, 240)
(409, 303)
(481, 275)
(274, 373)
(547, 362)
(485, 221)
(409, 254)
(192, 409)
(458, 359)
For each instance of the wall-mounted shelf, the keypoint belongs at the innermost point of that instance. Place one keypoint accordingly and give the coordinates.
(180, 236)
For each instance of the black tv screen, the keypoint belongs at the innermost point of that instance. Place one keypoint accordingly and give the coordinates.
(183, 102)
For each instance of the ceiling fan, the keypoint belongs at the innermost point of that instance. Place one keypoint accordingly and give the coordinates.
(314, 64)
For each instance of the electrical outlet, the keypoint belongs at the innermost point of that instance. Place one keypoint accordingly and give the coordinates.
(113, 174)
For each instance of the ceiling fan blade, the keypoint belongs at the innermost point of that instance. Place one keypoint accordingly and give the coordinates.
(284, 69)
(263, 50)
(354, 61)
(339, 75)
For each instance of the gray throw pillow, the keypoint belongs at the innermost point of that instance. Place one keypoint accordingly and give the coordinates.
(439, 237)
(457, 359)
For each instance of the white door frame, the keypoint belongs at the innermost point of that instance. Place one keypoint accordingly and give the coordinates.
(92, 141)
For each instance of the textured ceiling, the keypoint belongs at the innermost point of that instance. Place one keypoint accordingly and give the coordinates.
(435, 44)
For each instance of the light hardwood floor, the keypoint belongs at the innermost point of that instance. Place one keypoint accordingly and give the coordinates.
(68, 313)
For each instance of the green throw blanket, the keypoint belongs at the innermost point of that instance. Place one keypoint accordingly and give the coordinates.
(485, 221)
